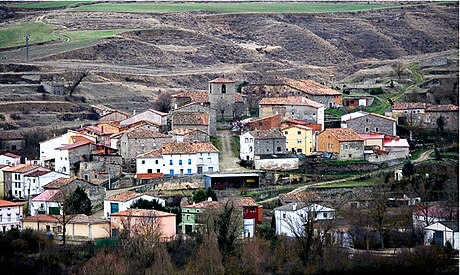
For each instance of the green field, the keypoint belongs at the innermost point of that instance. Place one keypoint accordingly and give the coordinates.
(47, 5)
(232, 7)
(39, 33)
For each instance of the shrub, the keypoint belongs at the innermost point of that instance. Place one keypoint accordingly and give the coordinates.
(15, 116)
(376, 91)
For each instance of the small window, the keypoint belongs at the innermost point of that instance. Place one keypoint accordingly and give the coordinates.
(299, 132)
(189, 161)
(189, 171)
(143, 162)
(149, 171)
(180, 162)
(156, 161)
(349, 155)
(284, 215)
(299, 141)
(278, 149)
(158, 170)
(324, 215)
(366, 130)
(187, 217)
(170, 162)
(377, 129)
(285, 132)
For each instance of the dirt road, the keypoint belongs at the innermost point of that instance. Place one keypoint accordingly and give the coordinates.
(228, 163)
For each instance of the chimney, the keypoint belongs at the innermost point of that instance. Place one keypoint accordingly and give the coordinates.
(193, 204)
(294, 206)
(209, 199)
(134, 112)
(175, 106)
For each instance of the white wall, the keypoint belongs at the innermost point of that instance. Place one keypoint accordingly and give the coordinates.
(11, 217)
(35, 206)
(147, 116)
(9, 160)
(122, 206)
(37, 183)
(47, 148)
(247, 146)
(277, 164)
(62, 162)
(156, 164)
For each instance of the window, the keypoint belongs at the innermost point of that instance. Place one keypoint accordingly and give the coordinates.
(180, 162)
(189, 161)
(187, 217)
(143, 162)
(299, 150)
(210, 169)
(246, 140)
(170, 162)
(86, 177)
(284, 215)
(158, 170)
(366, 130)
(209, 160)
(377, 129)
(156, 161)
(285, 132)
(149, 171)
(189, 171)
(171, 171)
(324, 215)
(299, 132)
(224, 89)
(200, 160)
(250, 149)
(346, 146)
(349, 155)
(250, 140)
(278, 149)
(299, 141)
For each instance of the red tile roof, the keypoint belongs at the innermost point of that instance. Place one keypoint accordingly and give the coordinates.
(124, 196)
(142, 213)
(195, 96)
(73, 145)
(21, 168)
(188, 148)
(190, 119)
(408, 105)
(120, 112)
(221, 80)
(143, 133)
(155, 153)
(442, 108)
(290, 100)
(58, 183)
(182, 131)
(98, 130)
(309, 87)
(76, 139)
(267, 134)
(46, 195)
(41, 218)
(11, 135)
(11, 155)
(4, 203)
(343, 134)
(292, 121)
(3, 166)
(149, 176)
(37, 173)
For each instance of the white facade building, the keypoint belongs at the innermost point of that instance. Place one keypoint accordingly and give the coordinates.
(442, 232)
(46, 204)
(10, 159)
(291, 218)
(10, 215)
(179, 159)
(68, 155)
(34, 182)
(247, 146)
(123, 201)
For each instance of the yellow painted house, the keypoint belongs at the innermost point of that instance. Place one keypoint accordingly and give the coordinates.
(299, 139)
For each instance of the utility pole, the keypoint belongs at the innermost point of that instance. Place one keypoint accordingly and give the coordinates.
(27, 46)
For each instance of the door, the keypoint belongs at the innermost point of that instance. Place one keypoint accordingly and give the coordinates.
(114, 208)
(200, 170)
(438, 238)
(54, 211)
(249, 228)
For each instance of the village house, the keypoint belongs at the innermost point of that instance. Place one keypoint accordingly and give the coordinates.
(299, 139)
(12, 141)
(199, 107)
(154, 116)
(251, 214)
(95, 193)
(291, 218)
(113, 116)
(379, 147)
(101, 168)
(198, 121)
(364, 123)
(80, 228)
(264, 123)
(102, 134)
(10, 215)
(187, 97)
(68, 156)
(425, 115)
(14, 179)
(442, 232)
(424, 215)
(289, 87)
(34, 181)
(136, 141)
(179, 159)
(47, 202)
(352, 102)
(49, 151)
(263, 142)
(123, 201)
(342, 143)
(2, 181)
(296, 107)
(10, 159)
(144, 222)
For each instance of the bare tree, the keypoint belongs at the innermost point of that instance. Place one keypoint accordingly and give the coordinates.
(62, 198)
(163, 102)
(74, 77)
(399, 69)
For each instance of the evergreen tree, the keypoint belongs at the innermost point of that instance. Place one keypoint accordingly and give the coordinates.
(77, 203)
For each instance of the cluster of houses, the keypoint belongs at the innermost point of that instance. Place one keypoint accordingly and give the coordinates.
(154, 144)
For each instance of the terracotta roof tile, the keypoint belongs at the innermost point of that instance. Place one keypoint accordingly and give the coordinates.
(3, 166)
(195, 96)
(267, 134)
(155, 153)
(408, 105)
(21, 168)
(41, 218)
(143, 133)
(143, 213)
(37, 173)
(309, 87)
(98, 130)
(221, 80)
(11, 155)
(4, 203)
(188, 148)
(149, 176)
(116, 111)
(58, 183)
(11, 135)
(46, 195)
(124, 196)
(343, 134)
(76, 139)
(182, 131)
(290, 100)
(73, 145)
(190, 119)
(442, 108)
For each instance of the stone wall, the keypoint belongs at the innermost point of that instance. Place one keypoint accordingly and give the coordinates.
(198, 108)
(269, 146)
(372, 124)
(353, 150)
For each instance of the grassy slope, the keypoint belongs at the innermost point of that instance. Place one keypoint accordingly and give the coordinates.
(46, 5)
(232, 7)
(39, 33)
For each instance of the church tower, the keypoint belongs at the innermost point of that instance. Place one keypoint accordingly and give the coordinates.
(222, 97)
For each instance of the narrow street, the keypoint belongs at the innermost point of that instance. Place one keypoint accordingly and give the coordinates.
(228, 162)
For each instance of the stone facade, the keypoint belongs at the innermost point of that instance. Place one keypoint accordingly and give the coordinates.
(351, 150)
(372, 123)
(97, 170)
(344, 144)
(200, 108)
